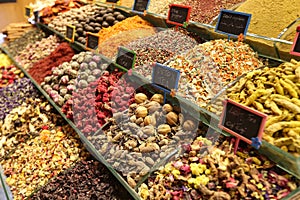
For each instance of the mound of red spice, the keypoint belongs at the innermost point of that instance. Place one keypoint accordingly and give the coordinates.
(63, 53)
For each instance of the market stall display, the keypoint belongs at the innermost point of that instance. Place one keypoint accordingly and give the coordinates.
(134, 129)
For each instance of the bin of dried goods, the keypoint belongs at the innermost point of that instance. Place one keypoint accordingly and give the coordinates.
(87, 179)
(36, 161)
(137, 138)
(212, 171)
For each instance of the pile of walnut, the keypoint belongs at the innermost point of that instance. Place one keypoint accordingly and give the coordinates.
(144, 134)
(275, 92)
(215, 173)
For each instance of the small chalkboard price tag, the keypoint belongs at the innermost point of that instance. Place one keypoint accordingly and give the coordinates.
(178, 14)
(125, 58)
(70, 33)
(36, 15)
(92, 41)
(165, 77)
(140, 6)
(296, 45)
(243, 122)
(112, 1)
(233, 23)
(28, 11)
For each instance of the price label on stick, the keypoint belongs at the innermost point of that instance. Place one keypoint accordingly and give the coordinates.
(126, 58)
(70, 33)
(178, 14)
(28, 11)
(140, 5)
(165, 77)
(233, 23)
(296, 45)
(243, 122)
(92, 41)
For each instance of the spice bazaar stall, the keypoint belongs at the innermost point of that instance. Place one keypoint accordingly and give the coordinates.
(139, 100)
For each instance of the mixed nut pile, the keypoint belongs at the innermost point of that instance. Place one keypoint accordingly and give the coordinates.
(144, 134)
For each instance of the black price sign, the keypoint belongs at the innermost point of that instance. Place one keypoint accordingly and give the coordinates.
(140, 5)
(28, 11)
(242, 122)
(178, 14)
(126, 58)
(112, 1)
(165, 77)
(70, 33)
(296, 45)
(36, 16)
(233, 23)
(92, 41)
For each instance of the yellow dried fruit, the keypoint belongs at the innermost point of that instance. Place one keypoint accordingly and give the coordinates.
(158, 98)
(164, 129)
(141, 111)
(167, 108)
(140, 98)
(153, 106)
(189, 125)
(172, 118)
(150, 120)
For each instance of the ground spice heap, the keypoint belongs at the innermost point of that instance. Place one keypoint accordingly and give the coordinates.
(270, 17)
(160, 48)
(205, 11)
(41, 69)
(131, 23)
